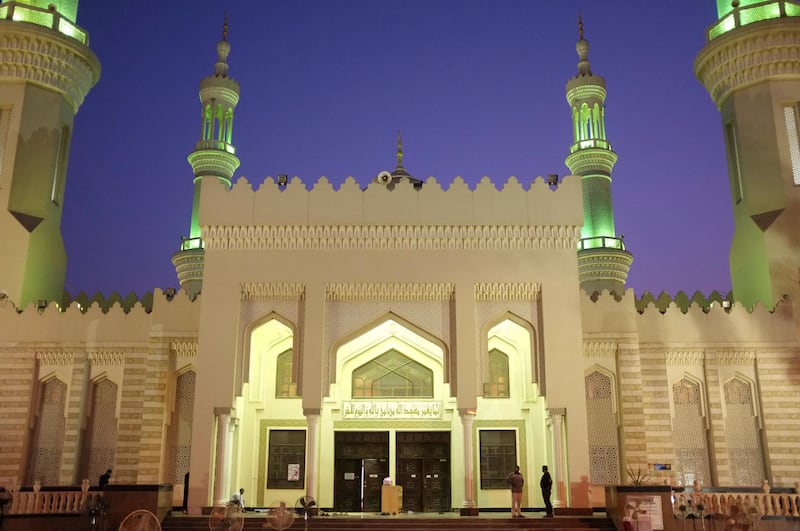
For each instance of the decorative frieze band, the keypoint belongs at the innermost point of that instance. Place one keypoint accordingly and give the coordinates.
(278, 291)
(391, 237)
(55, 357)
(685, 357)
(184, 349)
(44, 57)
(599, 349)
(106, 357)
(392, 410)
(507, 291)
(732, 357)
(389, 292)
(749, 55)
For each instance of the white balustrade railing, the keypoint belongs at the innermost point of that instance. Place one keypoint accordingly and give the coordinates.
(39, 501)
(763, 503)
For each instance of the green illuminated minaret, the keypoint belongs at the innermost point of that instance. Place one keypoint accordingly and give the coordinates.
(46, 71)
(750, 66)
(214, 157)
(603, 262)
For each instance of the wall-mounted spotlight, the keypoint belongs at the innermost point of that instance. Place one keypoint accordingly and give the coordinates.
(552, 179)
(170, 293)
(282, 180)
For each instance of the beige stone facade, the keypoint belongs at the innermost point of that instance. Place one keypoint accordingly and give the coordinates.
(340, 277)
(433, 334)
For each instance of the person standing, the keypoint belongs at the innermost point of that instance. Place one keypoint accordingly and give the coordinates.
(547, 488)
(104, 479)
(516, 481)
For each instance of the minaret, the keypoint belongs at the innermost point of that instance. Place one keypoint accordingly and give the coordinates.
(750, 66)
(46, 71)
(603, 262)
(213, 159)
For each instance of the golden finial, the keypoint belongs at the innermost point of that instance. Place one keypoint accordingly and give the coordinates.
(399, 149)
(580, 25)
(225, 28)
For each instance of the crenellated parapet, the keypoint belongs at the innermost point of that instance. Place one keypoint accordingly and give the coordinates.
(485, 218)
(55, 333)
(682, 301)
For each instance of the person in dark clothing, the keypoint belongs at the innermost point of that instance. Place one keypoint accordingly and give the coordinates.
(104, 479)
(547, 488)
(516, 481)
(186, 493)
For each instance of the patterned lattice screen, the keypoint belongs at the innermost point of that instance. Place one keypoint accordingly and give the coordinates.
(102, 429)
(182, 428)
(603, 438)
(742, 435)
(689, 434)
(48, 443)
(5, 120)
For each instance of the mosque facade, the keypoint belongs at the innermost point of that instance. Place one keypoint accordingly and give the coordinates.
(325, 338)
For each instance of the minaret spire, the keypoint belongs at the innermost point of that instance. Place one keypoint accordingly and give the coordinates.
(399, 150)
(213, 156)
(603, 262)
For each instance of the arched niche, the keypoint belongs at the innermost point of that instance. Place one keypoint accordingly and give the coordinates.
(264, 340)
(516, 337)
(387, 333)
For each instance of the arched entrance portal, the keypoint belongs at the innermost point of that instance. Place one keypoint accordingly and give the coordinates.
(393, 419)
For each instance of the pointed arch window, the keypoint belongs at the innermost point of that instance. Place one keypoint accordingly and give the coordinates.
(743, 435)
(392, 375)
(689, 433)
(180, 431)
(497, 386)
(284, 386)
(100, 440)
(602, 424)
(48, 436)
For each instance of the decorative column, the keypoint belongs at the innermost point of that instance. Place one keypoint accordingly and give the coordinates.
(222, 461)
(556, 416)
(312, 419)
(469, 508)
(228, 489)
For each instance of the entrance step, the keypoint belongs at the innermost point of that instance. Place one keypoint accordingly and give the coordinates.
(408, 523)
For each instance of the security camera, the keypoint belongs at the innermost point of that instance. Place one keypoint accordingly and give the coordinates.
(3, 294)
(384, 177)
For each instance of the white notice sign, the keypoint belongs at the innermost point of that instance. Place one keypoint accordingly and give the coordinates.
(649, 506)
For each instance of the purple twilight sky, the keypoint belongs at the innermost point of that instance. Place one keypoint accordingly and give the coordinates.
(475, 86)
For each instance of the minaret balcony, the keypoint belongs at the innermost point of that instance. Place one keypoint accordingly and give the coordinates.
(215, 144)
(591, 143)
(591, 160)
(187, 244)
(601, 242)
(212, 162)
(749, 14)
(43, 17)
